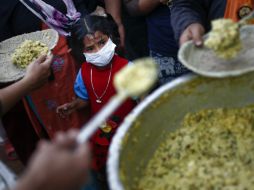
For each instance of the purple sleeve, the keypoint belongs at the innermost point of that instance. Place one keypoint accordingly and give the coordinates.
(186, 12)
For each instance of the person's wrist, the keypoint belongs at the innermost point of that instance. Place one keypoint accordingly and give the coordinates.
(119, 24)
(27, 83)
(28, 182)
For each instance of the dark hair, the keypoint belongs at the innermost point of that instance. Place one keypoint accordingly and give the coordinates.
(89, 25)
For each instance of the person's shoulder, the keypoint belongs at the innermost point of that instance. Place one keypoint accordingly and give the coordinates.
(121, 59)
(84, 64)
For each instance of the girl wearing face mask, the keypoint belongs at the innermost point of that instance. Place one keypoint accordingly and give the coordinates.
(94, 82)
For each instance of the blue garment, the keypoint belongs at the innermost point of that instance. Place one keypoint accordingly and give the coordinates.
(160, 33)
(169, 67)
(186, 12)
(80, 88)
(163, 46)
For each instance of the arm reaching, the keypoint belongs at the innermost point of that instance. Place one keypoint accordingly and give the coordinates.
(141, 7)
(114, 7)
(185, 13)
(70, 107)
(193, 32)
(61, 164)
(36, 75)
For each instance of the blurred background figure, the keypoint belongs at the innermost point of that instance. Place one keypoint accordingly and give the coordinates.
(162, 45)
(35, 116)
(49, 167)
(132, 30)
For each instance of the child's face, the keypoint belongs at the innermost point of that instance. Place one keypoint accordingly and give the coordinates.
(93, 43)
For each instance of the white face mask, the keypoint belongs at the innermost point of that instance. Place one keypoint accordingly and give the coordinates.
(103, 56)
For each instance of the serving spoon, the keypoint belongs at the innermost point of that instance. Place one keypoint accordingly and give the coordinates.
(246, 19)
(132, 81)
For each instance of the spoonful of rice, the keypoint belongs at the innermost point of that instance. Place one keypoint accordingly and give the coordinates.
(224, 38)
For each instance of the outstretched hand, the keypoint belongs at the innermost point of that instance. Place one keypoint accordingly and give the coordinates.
(38, 71)
(65, 109)
(193, 32)
(60, 164)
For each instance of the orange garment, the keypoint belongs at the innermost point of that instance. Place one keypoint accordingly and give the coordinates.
(41, 104)
(237, 9)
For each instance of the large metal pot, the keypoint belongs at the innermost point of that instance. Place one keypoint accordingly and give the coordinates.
(161, 112)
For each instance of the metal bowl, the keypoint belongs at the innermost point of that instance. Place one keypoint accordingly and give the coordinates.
(160, 113)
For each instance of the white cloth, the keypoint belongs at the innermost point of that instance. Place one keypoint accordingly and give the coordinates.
(7, 178)
(103, 56)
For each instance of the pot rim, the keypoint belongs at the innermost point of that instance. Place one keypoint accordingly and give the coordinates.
(115, 147)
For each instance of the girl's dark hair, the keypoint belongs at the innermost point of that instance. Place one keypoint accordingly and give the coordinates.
(89, 25)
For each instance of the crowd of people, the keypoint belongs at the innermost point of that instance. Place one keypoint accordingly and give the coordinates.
(97, 38)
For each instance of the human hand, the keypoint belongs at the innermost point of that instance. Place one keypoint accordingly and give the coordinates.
(193, 32)
(60, 164)
(38, 71)
(65, 109)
